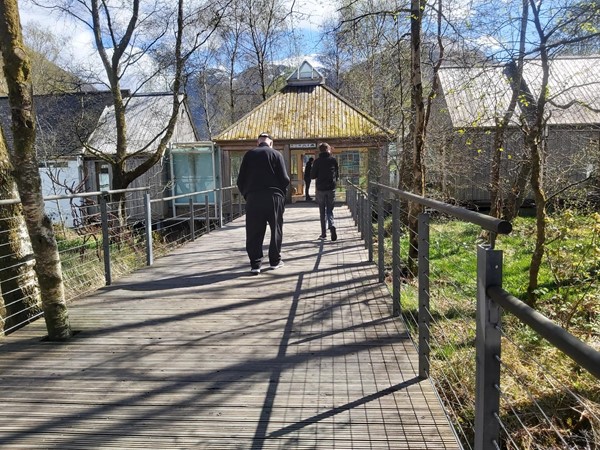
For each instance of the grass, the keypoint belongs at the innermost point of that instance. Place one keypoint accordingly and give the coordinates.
(535, 375)
(83, 264)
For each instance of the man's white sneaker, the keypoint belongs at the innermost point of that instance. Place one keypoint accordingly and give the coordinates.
(255, 271)
(277, 266)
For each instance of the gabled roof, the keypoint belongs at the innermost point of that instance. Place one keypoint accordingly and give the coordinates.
(475, 96)
(305, 112)
(63, 121)
(305, 75)
(146, 116)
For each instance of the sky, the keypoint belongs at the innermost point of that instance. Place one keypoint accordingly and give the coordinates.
(80, 52)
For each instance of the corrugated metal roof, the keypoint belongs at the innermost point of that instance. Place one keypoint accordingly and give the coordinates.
(146, 117)
(63, 121)
(304, 112)
(475, 96)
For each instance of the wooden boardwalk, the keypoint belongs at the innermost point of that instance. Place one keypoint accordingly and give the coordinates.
(195, 353)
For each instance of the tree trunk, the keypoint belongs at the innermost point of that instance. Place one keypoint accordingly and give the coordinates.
(537, 185)
(27, 176)
(418, 106)
(536, 138)
(515, 74)
(18, 282)
(529, 105)
(515, 197)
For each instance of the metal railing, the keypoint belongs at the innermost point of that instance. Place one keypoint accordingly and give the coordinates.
(468, 370)
(101, 238)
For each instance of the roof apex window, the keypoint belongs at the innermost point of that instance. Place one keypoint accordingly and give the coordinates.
(305, 75)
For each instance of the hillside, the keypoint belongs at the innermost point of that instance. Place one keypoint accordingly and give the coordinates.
(48, 78)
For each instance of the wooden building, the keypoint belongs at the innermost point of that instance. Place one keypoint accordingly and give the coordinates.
(69, 124)
(300, 116)
(474, 99)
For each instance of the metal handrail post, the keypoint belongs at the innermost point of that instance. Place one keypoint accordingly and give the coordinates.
(359, 215)
(192, 220)
(230, 205)
(354, 205)
(396, 307)
(240, 205)
(487, 350)
(380, 236)
(220, 196)
(148, 211)
(105, 239)
(424, 299)
(207, 214)
(349, 199)
(369, 223)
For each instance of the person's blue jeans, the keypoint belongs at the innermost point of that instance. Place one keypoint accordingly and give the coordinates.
(326, 202)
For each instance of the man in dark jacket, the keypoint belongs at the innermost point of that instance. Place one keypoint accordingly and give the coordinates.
(263, 181)
(325, 172)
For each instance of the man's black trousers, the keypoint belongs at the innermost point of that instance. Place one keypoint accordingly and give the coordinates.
(262, 208)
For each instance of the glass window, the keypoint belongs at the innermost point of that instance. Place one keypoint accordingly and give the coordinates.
(236, 161)
(193, 171)
(349, 162)
(104, 177)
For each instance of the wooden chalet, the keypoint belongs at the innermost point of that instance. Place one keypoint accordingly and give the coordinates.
(300, 116)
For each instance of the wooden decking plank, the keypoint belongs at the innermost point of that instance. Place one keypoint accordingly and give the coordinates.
(196, 353)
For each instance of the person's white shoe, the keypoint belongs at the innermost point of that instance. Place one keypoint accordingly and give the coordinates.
(255, 271)
(278, 265)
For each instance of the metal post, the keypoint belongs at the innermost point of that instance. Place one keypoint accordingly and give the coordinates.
(357, 203)
(487, 344)
(219, 193)
(380, 236)
(359, 216)
(105, 239)
(149, 250)
(396, 307)
(192, 219)
(369, 223)
(349, 199)
(240, 205)
(230, 205)
(423, 270)
(206, 205)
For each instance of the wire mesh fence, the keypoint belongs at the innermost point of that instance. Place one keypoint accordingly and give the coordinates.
(546, 400)
(103, 235)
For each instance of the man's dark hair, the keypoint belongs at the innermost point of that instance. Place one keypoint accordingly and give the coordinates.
(323, 147)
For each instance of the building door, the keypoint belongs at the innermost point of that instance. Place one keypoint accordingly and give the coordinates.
(298, 161)
(296, 173)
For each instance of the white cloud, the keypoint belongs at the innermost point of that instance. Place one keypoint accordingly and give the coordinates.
(79, 54)
(313, 13)
(308, 21)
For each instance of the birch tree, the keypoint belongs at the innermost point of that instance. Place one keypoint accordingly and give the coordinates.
(18, 283)
(264, 38)
(124, 34)
(47, 266)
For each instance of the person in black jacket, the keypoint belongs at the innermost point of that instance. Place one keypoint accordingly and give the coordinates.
(325, 172)
(263, 181)
(307, 178)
